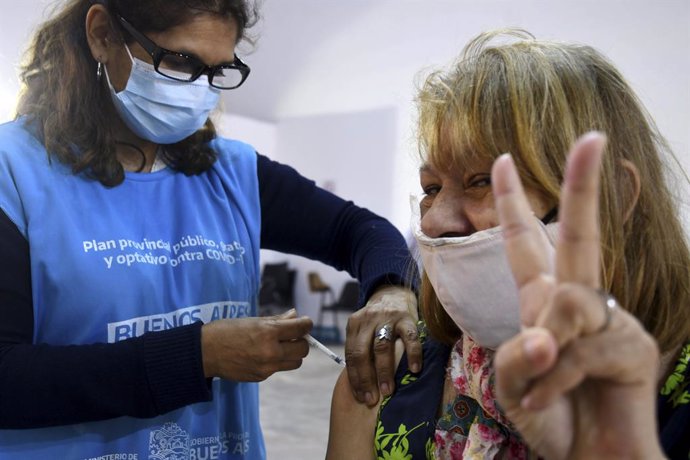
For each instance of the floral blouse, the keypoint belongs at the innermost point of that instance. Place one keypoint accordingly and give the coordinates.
(471, 427)
(408, 427)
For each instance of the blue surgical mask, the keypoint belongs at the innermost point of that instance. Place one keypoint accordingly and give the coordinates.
(159, 109)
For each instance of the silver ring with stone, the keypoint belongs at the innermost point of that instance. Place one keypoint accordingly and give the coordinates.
(385, 332)
(610, 304)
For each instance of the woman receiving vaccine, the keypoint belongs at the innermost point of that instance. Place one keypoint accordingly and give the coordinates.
(556, 289)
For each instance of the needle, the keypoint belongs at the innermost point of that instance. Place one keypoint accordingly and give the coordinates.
(327, 351)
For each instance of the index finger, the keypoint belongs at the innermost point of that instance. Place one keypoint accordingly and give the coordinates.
(524, 239)
(578, 245)
(360, 364)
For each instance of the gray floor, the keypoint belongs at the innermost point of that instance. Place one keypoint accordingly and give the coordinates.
(295, 408)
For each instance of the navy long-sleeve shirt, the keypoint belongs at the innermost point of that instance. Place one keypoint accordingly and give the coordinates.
(45, 385)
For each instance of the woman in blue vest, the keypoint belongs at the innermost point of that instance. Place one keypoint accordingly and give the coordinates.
(556, 287)
(130, 238)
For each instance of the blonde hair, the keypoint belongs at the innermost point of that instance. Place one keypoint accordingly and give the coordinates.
(533, 98)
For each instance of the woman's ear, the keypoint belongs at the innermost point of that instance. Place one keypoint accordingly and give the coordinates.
(632, 179)
(99, 33)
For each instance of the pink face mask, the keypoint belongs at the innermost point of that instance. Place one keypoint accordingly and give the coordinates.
(473, 281)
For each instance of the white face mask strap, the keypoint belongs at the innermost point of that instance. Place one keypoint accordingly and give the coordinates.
(129, 53)
(416, 221)
(131, 58)
(107, 76)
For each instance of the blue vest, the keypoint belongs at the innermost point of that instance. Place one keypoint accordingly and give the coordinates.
(158, 251)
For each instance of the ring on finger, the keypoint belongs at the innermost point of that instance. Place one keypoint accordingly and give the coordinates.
(610, 304)
(385, 332)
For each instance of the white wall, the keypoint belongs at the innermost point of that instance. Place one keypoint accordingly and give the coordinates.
(260, 134)
(351, 152)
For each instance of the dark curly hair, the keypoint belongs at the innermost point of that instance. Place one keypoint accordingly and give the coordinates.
(71, 109)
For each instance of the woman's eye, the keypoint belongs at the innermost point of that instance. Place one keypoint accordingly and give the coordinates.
(431, 190)
(178, 64)
(427, 197)
(479, 180)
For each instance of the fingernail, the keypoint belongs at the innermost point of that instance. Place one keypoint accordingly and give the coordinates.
(594, 136)
(369, 398)
(506, 156)
(414, 368)
(504, 166)
(533, 345)
(593, 140)
(385, 389)
(526, 402)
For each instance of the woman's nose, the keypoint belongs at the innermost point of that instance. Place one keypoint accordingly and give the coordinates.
(446, 217)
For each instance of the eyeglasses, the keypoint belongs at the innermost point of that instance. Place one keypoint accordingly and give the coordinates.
(182, 67)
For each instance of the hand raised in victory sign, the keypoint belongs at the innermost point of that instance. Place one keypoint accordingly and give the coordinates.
(579, 380)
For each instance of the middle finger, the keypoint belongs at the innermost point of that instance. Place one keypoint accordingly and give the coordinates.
(384, 361)
(578, 246)
(524, 240)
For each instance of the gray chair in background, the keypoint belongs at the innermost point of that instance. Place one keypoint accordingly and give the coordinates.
(347, 302)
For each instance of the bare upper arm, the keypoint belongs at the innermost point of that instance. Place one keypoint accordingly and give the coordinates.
(353, 424)
(351, 432)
